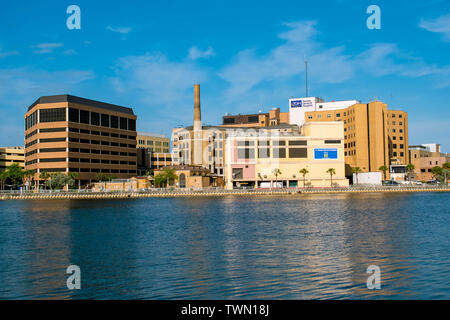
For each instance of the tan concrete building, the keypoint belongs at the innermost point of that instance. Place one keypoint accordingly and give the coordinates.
(253, 160)
(154, 142)
(273, 118)
(193, 177)
(132, 184)
(424, 158)
(10, 155)
(373, 135)
(71, 134)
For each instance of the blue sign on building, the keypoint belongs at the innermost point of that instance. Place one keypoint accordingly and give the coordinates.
(296, 104)
(326, 153)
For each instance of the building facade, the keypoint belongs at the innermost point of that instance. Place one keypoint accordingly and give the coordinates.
(273, 118)
(266, 158)
(71, 134)
(10, 155)
(424, 158)
(153, 142)
(373, 135)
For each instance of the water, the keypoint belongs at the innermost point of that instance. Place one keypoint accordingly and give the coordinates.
(271, 247)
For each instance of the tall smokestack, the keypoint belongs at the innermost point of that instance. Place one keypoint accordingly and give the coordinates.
(197, 156)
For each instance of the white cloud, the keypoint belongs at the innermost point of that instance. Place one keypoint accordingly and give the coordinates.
(157, 81)
(438, 25)
(196, 53)
(121, 30)
(4, 54)
(21, 86)
(70, 52)
(286, 61)
(284, 64)
(46, 47)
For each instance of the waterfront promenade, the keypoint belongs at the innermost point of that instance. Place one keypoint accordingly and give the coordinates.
(210, 192)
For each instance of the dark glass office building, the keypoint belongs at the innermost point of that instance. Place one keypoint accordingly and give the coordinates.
(67, 134)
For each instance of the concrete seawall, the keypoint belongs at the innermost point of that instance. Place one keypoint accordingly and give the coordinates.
(169, 194)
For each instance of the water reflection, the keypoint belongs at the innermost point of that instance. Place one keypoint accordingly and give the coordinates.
(292, 247)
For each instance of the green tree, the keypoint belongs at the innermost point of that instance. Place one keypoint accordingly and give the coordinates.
(101, 177)
(3, 178)
(276, 172)
(164, 177)
(356, 170)
(44, 175)
(383, 169)
(437, 172)
(410, 167)
(332, 172)
(60, 180)
(14, 174)
(304, 172)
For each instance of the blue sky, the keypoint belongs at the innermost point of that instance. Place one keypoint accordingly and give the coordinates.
(247, 56)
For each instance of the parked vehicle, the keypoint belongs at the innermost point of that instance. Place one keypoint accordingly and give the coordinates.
(390, 183)
(419, 183)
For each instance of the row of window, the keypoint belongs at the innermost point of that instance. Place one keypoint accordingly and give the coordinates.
(102, 133)
(107, 152)
(100, 119)
(102, 142)
(249, 153)
(95, 170)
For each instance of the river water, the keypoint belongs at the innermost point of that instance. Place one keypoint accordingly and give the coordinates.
(235, 247)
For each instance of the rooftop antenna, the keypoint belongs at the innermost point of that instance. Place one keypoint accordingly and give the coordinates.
(306, 76)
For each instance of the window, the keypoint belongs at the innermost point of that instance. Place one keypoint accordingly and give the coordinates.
(105, 120)
(246, 153)
(123, 123)
(52, 140)
(252, 119)
(279, 152)
(332, 141)
(310, 117)
(53, 160)
(114, 122)
(329, 115)
(338, 115)
(262, 153)
(52, 115)
(84, 116)
(228, 120)
(298, 153)
(131, 125)
(52, 130)
(74, 115)
(95, 119)
(52, 150)
(297, 142)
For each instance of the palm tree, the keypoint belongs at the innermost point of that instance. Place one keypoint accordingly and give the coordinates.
(384, 169)
(304, 172)
(332, 172)
(276, 172)
(28, 175)
(356, 170)
(3, 178)
(446, 167)
(410, 167)
(44, 175)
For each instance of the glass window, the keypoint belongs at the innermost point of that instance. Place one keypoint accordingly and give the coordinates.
(52, 115)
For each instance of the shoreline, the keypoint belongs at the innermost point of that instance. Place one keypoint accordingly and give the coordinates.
(204, 193)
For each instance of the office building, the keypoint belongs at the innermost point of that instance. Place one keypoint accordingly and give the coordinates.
(69, 134)
(373, 135)
(424, 157)
(273, 118)
(10, 155)
(272, 159)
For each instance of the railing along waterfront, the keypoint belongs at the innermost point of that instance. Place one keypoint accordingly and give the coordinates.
(168, 192)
